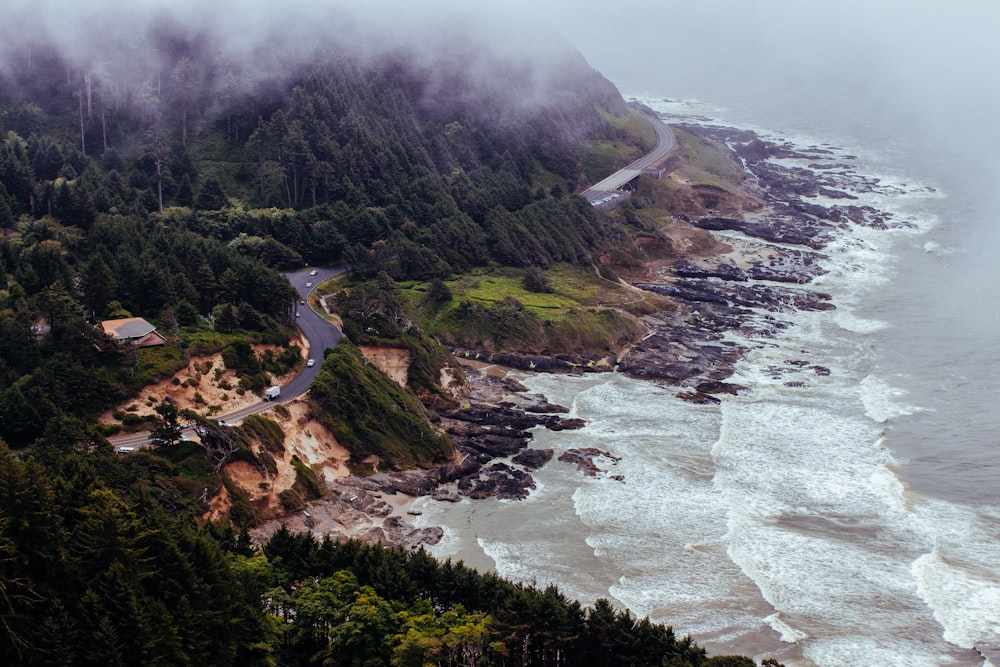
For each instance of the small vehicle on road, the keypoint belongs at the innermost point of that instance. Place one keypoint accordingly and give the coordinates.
(313, 272)
(309, 284)
(311, 363)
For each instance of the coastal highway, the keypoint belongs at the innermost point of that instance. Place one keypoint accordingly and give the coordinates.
(318, 332)
(665, 143)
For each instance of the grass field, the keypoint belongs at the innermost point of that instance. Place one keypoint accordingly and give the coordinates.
(572, 287)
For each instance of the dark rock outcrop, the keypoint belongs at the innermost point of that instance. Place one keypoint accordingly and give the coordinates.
(396, 532)
(533, 458)
(498, 480)
(800, 231)
(698, 398)
(585, 460)
(559, 363)
(716, 387)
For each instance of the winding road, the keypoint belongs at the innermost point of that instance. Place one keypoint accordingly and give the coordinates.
(665, 143)
(318, 332)
(321, 334)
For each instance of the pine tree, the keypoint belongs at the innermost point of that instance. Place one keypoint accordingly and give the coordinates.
(211, 197)
(185, 193)
(167, 432)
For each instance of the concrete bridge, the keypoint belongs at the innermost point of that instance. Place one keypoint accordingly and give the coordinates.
(613, 190)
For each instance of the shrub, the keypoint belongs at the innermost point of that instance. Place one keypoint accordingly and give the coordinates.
(535, 281)
(290, 500)
(607, 273)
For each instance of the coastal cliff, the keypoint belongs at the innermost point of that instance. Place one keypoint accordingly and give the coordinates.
(696, 281)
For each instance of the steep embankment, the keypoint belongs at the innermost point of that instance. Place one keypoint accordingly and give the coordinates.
(377, 421)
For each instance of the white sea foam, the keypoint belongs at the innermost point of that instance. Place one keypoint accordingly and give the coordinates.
(935, 248)
(846, 319)
(883, 651)
(958, 577)
(781, 508)
(968, 606)
(644, 527)
(886, 484)
(804, 474)
(881, 400)
(786, 632)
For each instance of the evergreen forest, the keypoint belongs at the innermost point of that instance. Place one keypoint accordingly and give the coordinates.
(167, 180)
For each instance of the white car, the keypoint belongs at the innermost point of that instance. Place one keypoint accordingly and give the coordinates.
(313, 272)
(124, 450)
(309, 284)
(311, 363)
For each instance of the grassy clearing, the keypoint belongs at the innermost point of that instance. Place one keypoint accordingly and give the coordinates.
(158, 363)
(577, 316)
(636, 124)
(708, 161)
(572, 287)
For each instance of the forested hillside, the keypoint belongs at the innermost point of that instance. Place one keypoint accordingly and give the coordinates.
(164, 178)
(93, 574)
(171, 186)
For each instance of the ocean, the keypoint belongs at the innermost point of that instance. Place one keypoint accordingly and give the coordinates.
(824, 520)
(842, 519)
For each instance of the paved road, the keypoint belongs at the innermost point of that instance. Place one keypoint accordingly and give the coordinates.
(665, 143)
(319, 333)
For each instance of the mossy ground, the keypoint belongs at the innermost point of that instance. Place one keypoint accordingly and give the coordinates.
(636, 124)
(492, 308)
(708, 162)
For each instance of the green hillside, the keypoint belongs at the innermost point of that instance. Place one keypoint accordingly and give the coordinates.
(165, 178)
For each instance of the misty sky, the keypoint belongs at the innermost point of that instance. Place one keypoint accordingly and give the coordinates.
(928, 66)
(922, 72)
(903, 46)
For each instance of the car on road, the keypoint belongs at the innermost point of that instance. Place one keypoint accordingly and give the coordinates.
(311, 363)
(302, 302)
(309, 284)
(298, 314)
(124, 449)
(313, 272)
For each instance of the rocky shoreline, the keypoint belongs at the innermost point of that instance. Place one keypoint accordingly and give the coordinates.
(773, 252)
(491, 435)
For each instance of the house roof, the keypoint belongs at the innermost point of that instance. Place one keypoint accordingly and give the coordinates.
(128, 328)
